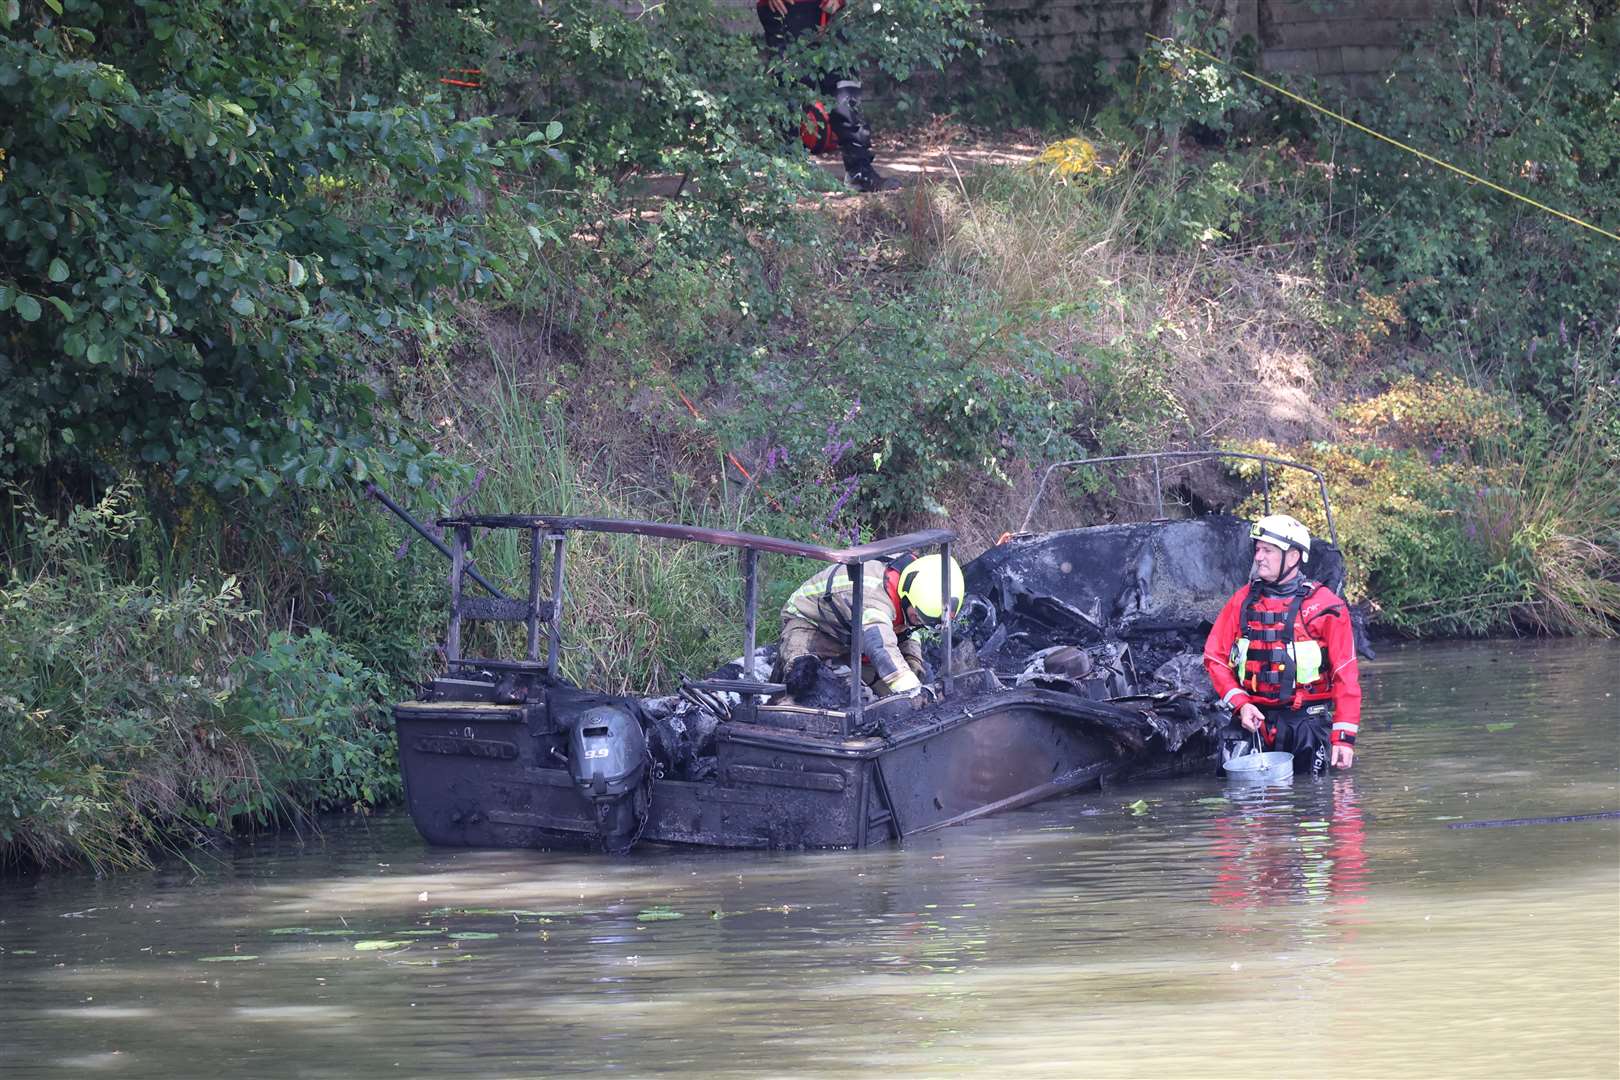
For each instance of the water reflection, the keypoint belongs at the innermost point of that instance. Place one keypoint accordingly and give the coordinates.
(1302, 841)
(1141, 932)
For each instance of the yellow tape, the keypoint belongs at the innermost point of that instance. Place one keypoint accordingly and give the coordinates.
(1393, 142)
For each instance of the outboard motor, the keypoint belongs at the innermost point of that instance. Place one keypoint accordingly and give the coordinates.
(607, 755)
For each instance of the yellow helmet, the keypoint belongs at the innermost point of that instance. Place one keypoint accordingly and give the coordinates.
(1284, 532)
(920, 582)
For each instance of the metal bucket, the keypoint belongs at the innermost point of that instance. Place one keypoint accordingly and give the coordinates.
(1267, 768)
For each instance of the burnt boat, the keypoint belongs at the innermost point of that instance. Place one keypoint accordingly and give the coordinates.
(1075, 663)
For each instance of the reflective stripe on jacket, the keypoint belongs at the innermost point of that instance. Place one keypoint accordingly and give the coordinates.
(1249, 663)
(825, 600)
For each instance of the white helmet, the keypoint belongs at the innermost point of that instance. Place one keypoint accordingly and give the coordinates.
(1283, 532)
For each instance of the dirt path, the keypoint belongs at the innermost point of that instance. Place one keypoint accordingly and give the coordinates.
(937, 153)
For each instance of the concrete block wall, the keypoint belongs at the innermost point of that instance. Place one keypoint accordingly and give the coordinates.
(1347, 44)
(1350, 43)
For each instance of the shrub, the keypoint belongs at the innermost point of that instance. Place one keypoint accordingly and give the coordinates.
(125, 722)
(1476, 524)
(311, 714)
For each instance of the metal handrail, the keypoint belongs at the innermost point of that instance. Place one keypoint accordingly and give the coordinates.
(665, 531)
(555, 530)
(1266, 460)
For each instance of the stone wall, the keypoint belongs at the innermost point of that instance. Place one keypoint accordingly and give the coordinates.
(1347, 44)
(1350, 43)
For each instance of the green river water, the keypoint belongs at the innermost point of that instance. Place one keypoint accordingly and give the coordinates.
(1335, 928)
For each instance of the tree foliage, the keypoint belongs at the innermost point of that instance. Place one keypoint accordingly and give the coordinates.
(201, 250)
(218, 216)
(1528, 96)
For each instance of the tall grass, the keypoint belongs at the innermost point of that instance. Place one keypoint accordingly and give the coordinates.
(637, 612)
(1552, 526)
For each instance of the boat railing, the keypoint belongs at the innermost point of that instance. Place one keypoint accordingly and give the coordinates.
(543, 608)
(1188, 457)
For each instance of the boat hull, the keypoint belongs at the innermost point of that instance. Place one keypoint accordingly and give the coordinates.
(480, 775)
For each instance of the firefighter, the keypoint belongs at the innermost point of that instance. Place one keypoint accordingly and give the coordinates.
(898, 596)
(785, 20)
(1282, 656)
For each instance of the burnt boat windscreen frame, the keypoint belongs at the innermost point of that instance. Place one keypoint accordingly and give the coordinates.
(552, 530)
(1157, 458)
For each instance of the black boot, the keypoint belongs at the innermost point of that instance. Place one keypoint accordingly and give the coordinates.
(854, 137)
(869, 179)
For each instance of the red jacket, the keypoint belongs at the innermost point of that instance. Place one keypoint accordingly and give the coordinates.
(1322, 618)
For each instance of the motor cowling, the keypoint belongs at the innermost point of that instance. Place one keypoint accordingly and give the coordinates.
(607, 752)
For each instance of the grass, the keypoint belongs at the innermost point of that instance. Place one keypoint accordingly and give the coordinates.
(1553, 526)
(637, 612)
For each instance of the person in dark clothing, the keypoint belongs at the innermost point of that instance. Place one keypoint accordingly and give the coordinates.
(786, 20)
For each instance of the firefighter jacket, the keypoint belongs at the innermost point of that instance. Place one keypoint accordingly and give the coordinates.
(1287, 647)
(886, 640)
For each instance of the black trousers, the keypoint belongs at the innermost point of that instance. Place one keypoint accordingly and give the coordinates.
(1305, 732)
(854, 137)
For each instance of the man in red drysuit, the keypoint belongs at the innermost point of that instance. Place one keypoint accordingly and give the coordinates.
(1282, 654)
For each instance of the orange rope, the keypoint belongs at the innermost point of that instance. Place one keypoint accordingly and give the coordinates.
(729, 455)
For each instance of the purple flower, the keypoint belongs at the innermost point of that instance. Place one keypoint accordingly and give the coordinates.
(843, 498)
(835, 449)
(478, 481)
(403, 550)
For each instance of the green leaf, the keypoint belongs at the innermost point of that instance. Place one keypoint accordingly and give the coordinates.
(61, 305)
(295, 272)
(241, 305)
(658, 914)
(376, 945)
(473, 935)
(54, 5)
(13, 11)
(8, 296)
(1503, 726)
(554, 131)
(57, 271)
(27, 307)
